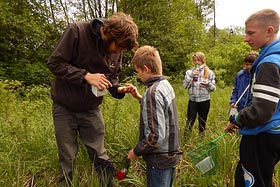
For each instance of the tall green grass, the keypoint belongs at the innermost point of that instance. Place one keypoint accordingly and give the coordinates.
(28, 152)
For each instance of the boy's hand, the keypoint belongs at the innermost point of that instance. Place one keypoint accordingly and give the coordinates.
(136, 94)
(233, 105)
(231, 127)
(131, 155)
(128, 88)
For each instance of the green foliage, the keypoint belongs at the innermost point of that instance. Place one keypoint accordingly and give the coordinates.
(30, 30)
(38, 92)
(25, 44)
(7, 95)
(28, 147)
(169, 29)
(227, 60)
(26, 138)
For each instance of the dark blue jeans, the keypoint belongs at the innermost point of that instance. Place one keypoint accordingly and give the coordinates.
(159, 177)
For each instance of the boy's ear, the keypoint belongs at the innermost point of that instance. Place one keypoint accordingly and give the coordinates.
(270, 30)
(145, 68)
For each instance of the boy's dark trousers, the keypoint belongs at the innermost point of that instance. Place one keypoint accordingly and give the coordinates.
(258, 156)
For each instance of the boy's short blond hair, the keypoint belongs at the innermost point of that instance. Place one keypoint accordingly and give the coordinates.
(265, 18)
(148, 56)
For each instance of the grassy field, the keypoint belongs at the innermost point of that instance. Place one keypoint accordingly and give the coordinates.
(28, 152)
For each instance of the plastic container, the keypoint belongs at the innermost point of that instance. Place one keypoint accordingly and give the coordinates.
(97, 92)
(195, 78)
(232, 111)
(204, 157)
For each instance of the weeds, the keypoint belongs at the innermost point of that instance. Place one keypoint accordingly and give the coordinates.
(28, 154)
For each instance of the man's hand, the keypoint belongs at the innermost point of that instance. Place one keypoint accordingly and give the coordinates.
(99, 80)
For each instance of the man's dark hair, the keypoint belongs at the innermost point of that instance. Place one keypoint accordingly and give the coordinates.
(122, 29)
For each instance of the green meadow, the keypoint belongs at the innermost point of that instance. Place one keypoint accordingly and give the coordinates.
(28, 152)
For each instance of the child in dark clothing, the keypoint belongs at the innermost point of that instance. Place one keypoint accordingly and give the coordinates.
(259, 124)
(241, 82)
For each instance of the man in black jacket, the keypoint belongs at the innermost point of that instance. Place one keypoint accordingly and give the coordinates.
(86, 62)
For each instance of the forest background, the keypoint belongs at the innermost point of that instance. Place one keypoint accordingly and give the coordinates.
(29, 32)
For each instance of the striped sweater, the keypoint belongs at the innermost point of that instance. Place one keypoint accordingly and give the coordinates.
(159, 128)
(198, 92)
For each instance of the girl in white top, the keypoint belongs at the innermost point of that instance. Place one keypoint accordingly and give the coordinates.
(199, 81)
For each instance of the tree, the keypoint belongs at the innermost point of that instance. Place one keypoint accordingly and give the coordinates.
(177, 28)
(227, 56)
(169, 28)
(24, 42)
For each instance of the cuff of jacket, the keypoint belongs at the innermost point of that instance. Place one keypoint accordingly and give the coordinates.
(114, 92)
(235, 121)
(137, 151)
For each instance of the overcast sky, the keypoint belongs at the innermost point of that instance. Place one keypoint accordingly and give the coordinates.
(235, 12)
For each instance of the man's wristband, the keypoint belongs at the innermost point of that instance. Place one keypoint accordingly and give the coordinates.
(232, 119)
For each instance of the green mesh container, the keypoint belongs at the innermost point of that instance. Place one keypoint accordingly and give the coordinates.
(204, 157)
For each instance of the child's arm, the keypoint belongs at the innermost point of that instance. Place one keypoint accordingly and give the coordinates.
(128, 88)
(234, 94)
(188, 79)
(133, 91)
(131, 155)
(211, 84)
